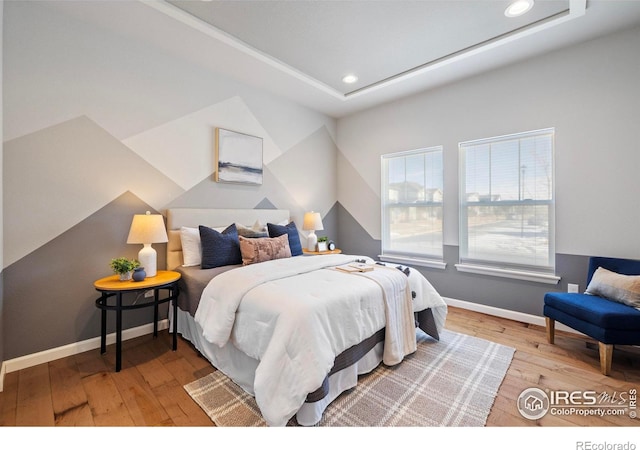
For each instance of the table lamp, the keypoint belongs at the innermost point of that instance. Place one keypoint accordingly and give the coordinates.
(312, 222)
(147, 229)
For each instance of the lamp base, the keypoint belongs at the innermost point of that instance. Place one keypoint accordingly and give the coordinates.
(148, 258)
(312, 241)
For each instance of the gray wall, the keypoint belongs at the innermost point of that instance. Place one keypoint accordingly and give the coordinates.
(588, 92)
(114, 119)
(1, 207)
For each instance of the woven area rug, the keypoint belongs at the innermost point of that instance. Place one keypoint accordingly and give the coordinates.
(452, 382)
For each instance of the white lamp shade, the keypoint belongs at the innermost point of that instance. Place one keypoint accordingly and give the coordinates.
(312, 221)
(147, 229)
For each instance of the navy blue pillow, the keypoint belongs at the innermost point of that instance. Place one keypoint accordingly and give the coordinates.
(219, 249)
(292, 231)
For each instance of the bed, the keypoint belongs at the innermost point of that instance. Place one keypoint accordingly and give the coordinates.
(294, 331)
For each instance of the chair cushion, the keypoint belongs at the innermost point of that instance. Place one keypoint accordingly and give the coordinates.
(604, 335)
(595, 310)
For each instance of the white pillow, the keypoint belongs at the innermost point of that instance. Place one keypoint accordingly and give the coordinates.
(191, 246)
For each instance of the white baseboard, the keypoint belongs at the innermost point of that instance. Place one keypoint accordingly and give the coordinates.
(34, 359)
(505, 313)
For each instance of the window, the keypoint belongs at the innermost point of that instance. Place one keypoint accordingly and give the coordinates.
(507, 204)
(412, 188)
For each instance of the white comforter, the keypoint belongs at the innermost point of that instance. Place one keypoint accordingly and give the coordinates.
(295, 318)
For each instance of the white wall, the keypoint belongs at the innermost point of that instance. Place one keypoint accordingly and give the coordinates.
(588, 92)
(1, 210)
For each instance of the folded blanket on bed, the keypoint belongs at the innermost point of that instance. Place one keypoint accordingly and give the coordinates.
(400, 334)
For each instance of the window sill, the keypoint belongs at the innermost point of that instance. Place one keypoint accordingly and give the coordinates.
(509, 273)
(431, 263)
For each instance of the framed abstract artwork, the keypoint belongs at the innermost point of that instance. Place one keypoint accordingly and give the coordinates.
(238, 157)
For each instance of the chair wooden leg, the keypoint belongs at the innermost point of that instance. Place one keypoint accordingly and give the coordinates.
(606, 354)
(551, 326)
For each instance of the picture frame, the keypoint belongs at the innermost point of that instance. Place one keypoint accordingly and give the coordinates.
(322, 246)
(238, 157)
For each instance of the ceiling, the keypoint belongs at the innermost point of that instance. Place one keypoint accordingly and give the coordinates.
(303, 48)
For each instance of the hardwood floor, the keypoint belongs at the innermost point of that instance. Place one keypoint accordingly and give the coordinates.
(571, 364)
(84, 390)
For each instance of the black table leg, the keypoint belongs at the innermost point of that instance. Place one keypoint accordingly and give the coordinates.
(103, 326)
(174, 294)
(119, 331)
(156, 297)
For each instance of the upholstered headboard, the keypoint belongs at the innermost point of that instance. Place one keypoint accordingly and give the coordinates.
(214, 218)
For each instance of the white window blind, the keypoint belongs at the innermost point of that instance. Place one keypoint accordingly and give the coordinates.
(507, 215)
(412, 193)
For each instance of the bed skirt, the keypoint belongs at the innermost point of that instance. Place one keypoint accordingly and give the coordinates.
(240, 368)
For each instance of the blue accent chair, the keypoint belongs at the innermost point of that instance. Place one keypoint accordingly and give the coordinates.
(606, 321)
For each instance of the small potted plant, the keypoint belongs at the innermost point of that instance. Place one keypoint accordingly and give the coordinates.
(124, 267)
(322, 244)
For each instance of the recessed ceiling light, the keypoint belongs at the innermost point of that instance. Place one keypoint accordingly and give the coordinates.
(518, 8)
(349, 79)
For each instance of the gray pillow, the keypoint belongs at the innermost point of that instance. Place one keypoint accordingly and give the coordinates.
(251, 232)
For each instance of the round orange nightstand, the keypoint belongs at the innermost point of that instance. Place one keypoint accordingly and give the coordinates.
(113, 287)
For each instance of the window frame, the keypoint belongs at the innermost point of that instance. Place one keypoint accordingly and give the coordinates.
(420, 259)
(505, 268)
